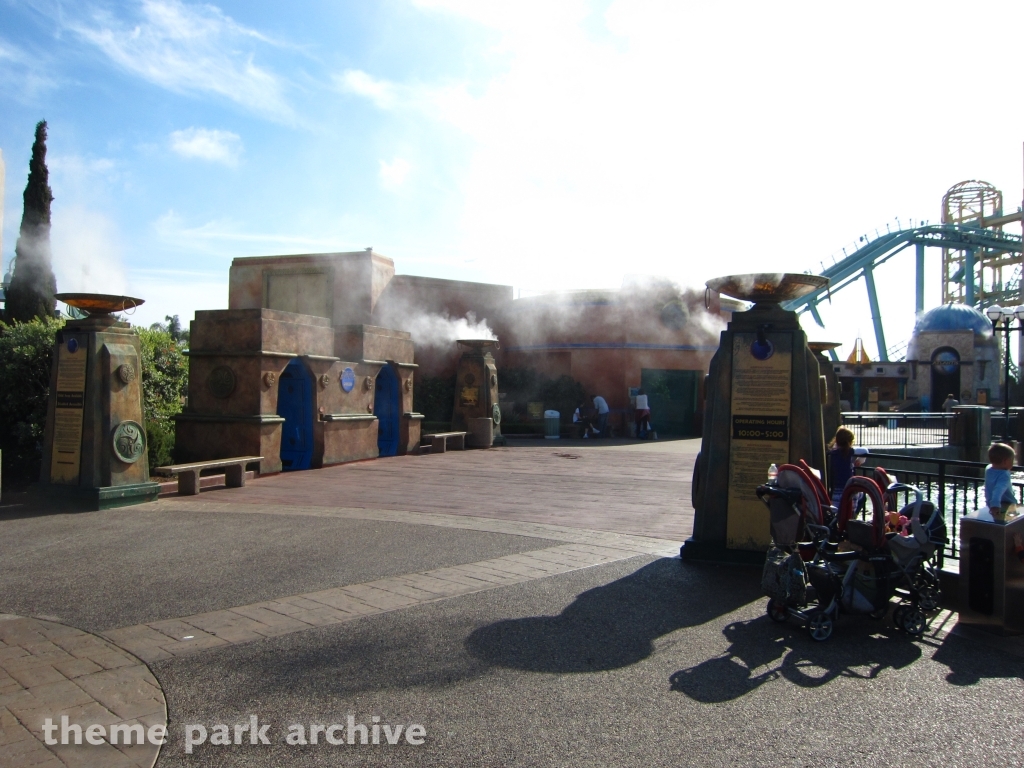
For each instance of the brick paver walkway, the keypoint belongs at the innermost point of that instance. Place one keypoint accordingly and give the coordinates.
(49, 670)
(643, 493)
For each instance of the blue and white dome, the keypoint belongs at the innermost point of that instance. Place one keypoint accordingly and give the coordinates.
(955, 317)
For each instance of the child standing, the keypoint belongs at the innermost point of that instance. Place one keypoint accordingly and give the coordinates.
(842, 458)
(998, 485)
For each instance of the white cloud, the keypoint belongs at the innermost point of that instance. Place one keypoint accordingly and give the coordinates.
(206, 144)
(227, 238)
(380, 92)
(191, 291)
(190, 48)
(23, 74)
(393, 174)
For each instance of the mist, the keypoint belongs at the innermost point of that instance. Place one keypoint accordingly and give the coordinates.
(441, 330)
(86, 252)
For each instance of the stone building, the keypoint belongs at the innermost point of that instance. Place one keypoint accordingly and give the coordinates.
(312, 364)
(293, 370)
(953, 351)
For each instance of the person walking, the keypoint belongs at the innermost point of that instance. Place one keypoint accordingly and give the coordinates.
(950, 403)
(642, 415)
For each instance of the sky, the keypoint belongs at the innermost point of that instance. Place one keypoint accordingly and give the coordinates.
(552, 145)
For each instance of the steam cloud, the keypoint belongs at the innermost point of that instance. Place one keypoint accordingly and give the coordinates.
(437, 330)
(86, 254)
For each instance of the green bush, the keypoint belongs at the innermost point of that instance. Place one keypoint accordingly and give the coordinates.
(25, 360)
(164, 386)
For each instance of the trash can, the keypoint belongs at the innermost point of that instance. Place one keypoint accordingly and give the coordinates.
(992, 574)
(481, 432)
(551, 424)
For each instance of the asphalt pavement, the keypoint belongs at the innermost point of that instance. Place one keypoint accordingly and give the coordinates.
(520, 605)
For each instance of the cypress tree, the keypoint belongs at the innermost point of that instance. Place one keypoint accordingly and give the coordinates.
(33, 284)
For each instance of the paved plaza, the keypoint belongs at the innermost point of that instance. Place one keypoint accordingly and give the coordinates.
(523, 605)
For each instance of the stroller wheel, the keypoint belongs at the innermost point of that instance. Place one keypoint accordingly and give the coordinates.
(913, 621)
(777, 611)
(897, 616)
(928, 597)
(820, 626)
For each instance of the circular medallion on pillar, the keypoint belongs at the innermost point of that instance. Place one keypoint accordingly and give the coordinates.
(221, 382)
(324, 381)
(126, 373)
(129, 442)
(496, 414)
(269, 379)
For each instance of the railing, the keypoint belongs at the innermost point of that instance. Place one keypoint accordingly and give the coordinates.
(899, 430)
(999, 430)
(955, 487)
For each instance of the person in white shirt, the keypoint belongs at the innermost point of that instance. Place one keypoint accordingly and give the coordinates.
(643, 415)
(602, 415)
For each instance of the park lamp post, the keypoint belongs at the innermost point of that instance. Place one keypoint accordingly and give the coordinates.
(1001, 318)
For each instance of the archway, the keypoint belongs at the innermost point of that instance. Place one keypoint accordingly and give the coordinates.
(945, 375)
(387, 409)
(295, 404)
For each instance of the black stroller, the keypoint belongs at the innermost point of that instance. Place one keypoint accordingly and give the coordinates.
(809, 579)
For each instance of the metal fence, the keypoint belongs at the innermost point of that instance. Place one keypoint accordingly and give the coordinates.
(1000, 429)
(955, 487)
(899, 430)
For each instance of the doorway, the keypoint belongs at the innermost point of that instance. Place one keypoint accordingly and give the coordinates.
(387, 410)
(672, 396)
(945, 376)
(295, 404)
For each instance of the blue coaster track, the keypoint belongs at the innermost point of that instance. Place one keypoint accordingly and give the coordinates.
(973, 241)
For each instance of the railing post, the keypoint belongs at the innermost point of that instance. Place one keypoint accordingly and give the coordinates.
(942, 499)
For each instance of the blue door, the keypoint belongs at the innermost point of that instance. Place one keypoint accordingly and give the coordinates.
(295, 404)
(386, 409)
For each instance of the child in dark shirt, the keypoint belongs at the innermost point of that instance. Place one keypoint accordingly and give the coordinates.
(842, 457)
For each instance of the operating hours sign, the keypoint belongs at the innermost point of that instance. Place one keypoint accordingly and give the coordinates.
(69, 410)
(762, 372)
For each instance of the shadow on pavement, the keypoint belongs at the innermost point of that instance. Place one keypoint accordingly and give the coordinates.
(34, 502)
(762, 650)
(615, 625)
(968, 667)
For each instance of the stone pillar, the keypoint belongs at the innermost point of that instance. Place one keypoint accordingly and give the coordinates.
(730, 524)
(972, 432)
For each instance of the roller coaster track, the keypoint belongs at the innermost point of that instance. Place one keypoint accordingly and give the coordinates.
(861, 263)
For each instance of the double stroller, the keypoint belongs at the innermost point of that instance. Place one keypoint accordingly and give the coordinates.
(824, 561)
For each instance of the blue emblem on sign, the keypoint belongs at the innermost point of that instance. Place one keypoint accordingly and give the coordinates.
(72, 345)
(348, 379)
(762, 350)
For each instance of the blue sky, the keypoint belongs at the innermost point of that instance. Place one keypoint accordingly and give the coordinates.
(548, 145)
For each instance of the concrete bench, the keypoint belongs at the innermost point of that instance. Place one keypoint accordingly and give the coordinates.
(439, 442)
(188, 474)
